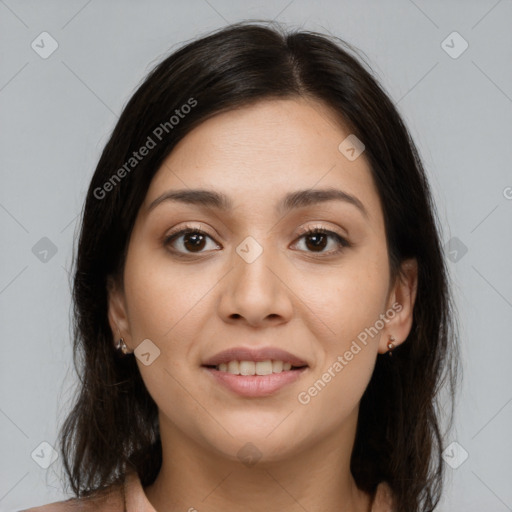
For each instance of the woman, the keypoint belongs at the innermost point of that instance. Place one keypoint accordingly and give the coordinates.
(263, 317)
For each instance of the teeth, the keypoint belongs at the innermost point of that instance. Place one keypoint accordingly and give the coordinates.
(263, 367)
(277, 366)
(254, 368)
(247, 367)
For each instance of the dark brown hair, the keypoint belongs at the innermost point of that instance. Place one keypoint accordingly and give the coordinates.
(113, 425)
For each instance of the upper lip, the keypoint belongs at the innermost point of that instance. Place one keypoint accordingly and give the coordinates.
(253, 354)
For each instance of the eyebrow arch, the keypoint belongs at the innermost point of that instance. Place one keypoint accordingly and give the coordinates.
(293, 200)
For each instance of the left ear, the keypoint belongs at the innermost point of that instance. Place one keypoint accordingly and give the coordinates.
(401, 301)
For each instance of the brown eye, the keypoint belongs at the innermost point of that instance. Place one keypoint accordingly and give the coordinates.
(188, 241)
(194, 241)
(317, 239)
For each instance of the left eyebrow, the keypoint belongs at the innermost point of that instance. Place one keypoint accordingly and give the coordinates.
(292, 200)
(303, 198)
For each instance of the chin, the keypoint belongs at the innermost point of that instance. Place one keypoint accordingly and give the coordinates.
(251, 444)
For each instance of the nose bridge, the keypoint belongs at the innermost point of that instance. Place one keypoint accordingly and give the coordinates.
(253, 257)
(254, 290)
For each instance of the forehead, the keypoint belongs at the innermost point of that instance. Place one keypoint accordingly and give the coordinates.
(258, 153)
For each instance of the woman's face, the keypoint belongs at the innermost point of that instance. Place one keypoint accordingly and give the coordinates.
(253, 280)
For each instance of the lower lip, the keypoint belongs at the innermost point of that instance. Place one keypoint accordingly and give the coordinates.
(255, 385)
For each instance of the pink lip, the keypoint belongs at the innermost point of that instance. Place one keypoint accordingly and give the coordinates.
(253, 354)
(255, 385)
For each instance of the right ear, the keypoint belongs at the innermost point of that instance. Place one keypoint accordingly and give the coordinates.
(117, 311)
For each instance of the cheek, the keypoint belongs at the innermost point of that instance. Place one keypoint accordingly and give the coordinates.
(353, 298)
(165, 306)
(163, 300)
(347, 298)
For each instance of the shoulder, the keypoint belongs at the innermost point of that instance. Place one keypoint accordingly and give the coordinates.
(57, 506)
(110, 500)
(384, 499)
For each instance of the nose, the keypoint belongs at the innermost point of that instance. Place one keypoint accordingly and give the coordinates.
(257, 292)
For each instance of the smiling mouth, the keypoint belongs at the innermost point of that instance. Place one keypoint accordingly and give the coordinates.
(255, 368)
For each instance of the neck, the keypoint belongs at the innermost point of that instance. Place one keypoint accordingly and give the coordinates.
(315, 477)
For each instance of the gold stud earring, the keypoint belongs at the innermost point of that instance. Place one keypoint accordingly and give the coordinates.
(391, 345)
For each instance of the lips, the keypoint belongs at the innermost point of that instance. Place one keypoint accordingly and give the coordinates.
(250, 382)
(256, 355)
(255, 386)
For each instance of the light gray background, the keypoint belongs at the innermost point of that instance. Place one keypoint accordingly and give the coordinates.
(57, 113)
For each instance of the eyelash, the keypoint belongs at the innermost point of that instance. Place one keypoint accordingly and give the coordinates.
(342, 242)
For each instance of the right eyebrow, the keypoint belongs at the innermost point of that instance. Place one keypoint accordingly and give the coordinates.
(201, 197)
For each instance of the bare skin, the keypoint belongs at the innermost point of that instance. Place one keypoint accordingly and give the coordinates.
(312, 302)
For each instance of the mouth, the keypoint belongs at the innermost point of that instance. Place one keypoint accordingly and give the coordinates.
(254, 372)
(260, 368)
(255, 379)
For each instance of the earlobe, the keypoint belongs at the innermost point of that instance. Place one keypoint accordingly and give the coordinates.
(401, 302)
